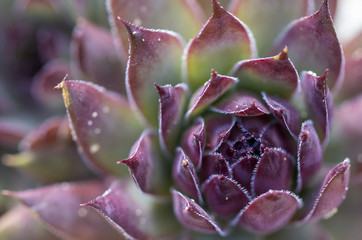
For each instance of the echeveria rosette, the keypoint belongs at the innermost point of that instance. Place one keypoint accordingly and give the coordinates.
(216, 144)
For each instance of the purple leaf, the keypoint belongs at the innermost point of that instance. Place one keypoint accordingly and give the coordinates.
(134, 214)
(274, 136)
(285, 113)
(222, 35)
(213, 164)
(155, 55)
(185, 176)
(58, 208)
(241, 104)
(263, 21)
(319, 102)
(331, 194)
(193, 142)
(145, 164)
(309, 154)
(211, 91)
(155, 14)
(172, 101)
(94, 57)
(104, 129)
(243, 169)
(218, 127)
(269, 212)
(224, 196)
(11, 133)
(313, 45)
(273, 171)
(192, 216)
(275, 75)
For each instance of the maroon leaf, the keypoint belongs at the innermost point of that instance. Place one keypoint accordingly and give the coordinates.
(273, 171)
(275, 75)
(222, 35)
(242, 171)
(313, 45)
(145, 164)
(94, 57)
(274, 136)
(211, 91)
(331, 194)
(11, 133)
(285, 113)
(319, 103)
(58, 208)
(155, 55)
(133, 213)
(185, 176)
(309, 154)
(213, 164)
(224, 196)
(269, 212)
(104, 129)
(218, 128)
(192, 216)
(241, 104)
(171, 109)
(193, 142)
(263, 21)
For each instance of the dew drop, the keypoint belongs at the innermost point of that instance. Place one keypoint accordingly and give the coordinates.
(90, 122)
(97, 131)
(94, 114)
(137, 21)
(82, 212)
(134, 32)
(94, 148)
(159, 39)
(106, 109)
(138, 212)
(143, 39)
(143, 9)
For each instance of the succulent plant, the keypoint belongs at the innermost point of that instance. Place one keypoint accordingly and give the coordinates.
(220, 138)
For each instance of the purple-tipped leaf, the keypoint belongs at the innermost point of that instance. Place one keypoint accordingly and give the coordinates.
(223, 35)
(242, 171)
(193, 142)
(155, 55)
(268, 18)
(133, 213)
(269, 212)
(309, 154)
(273, 171)
(331, 194)
(184, 174)
(313, 45)
(192, 216)
(171, 109)
(224, 196)
(58, 208)
(213, 164)
(104, 129)
(211, 91)
(145, 164)
(218, 128)
(285, 113)
(319, 102)
(275, 75)
(241, 104)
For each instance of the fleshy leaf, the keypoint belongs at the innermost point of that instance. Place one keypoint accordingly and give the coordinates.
(332, 193)
(241, 104)
(313, 45)
(269, 212)
(213, 164)
(155, 14)
(319, 102)
(192, 216)
(145, 164)
(222, 35)
(274, 136)
(309, 154)
(275, 75)
(273, 171)
(171, 109)
(155, 55)
(285, 113)
(104, 129)
(243, 169)
(58, 208)
(211, 91)
(94, 57)
(218, 128)
(185, 176)
(193, 142)
(224, 196)
(268, 18)
(134, 214)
